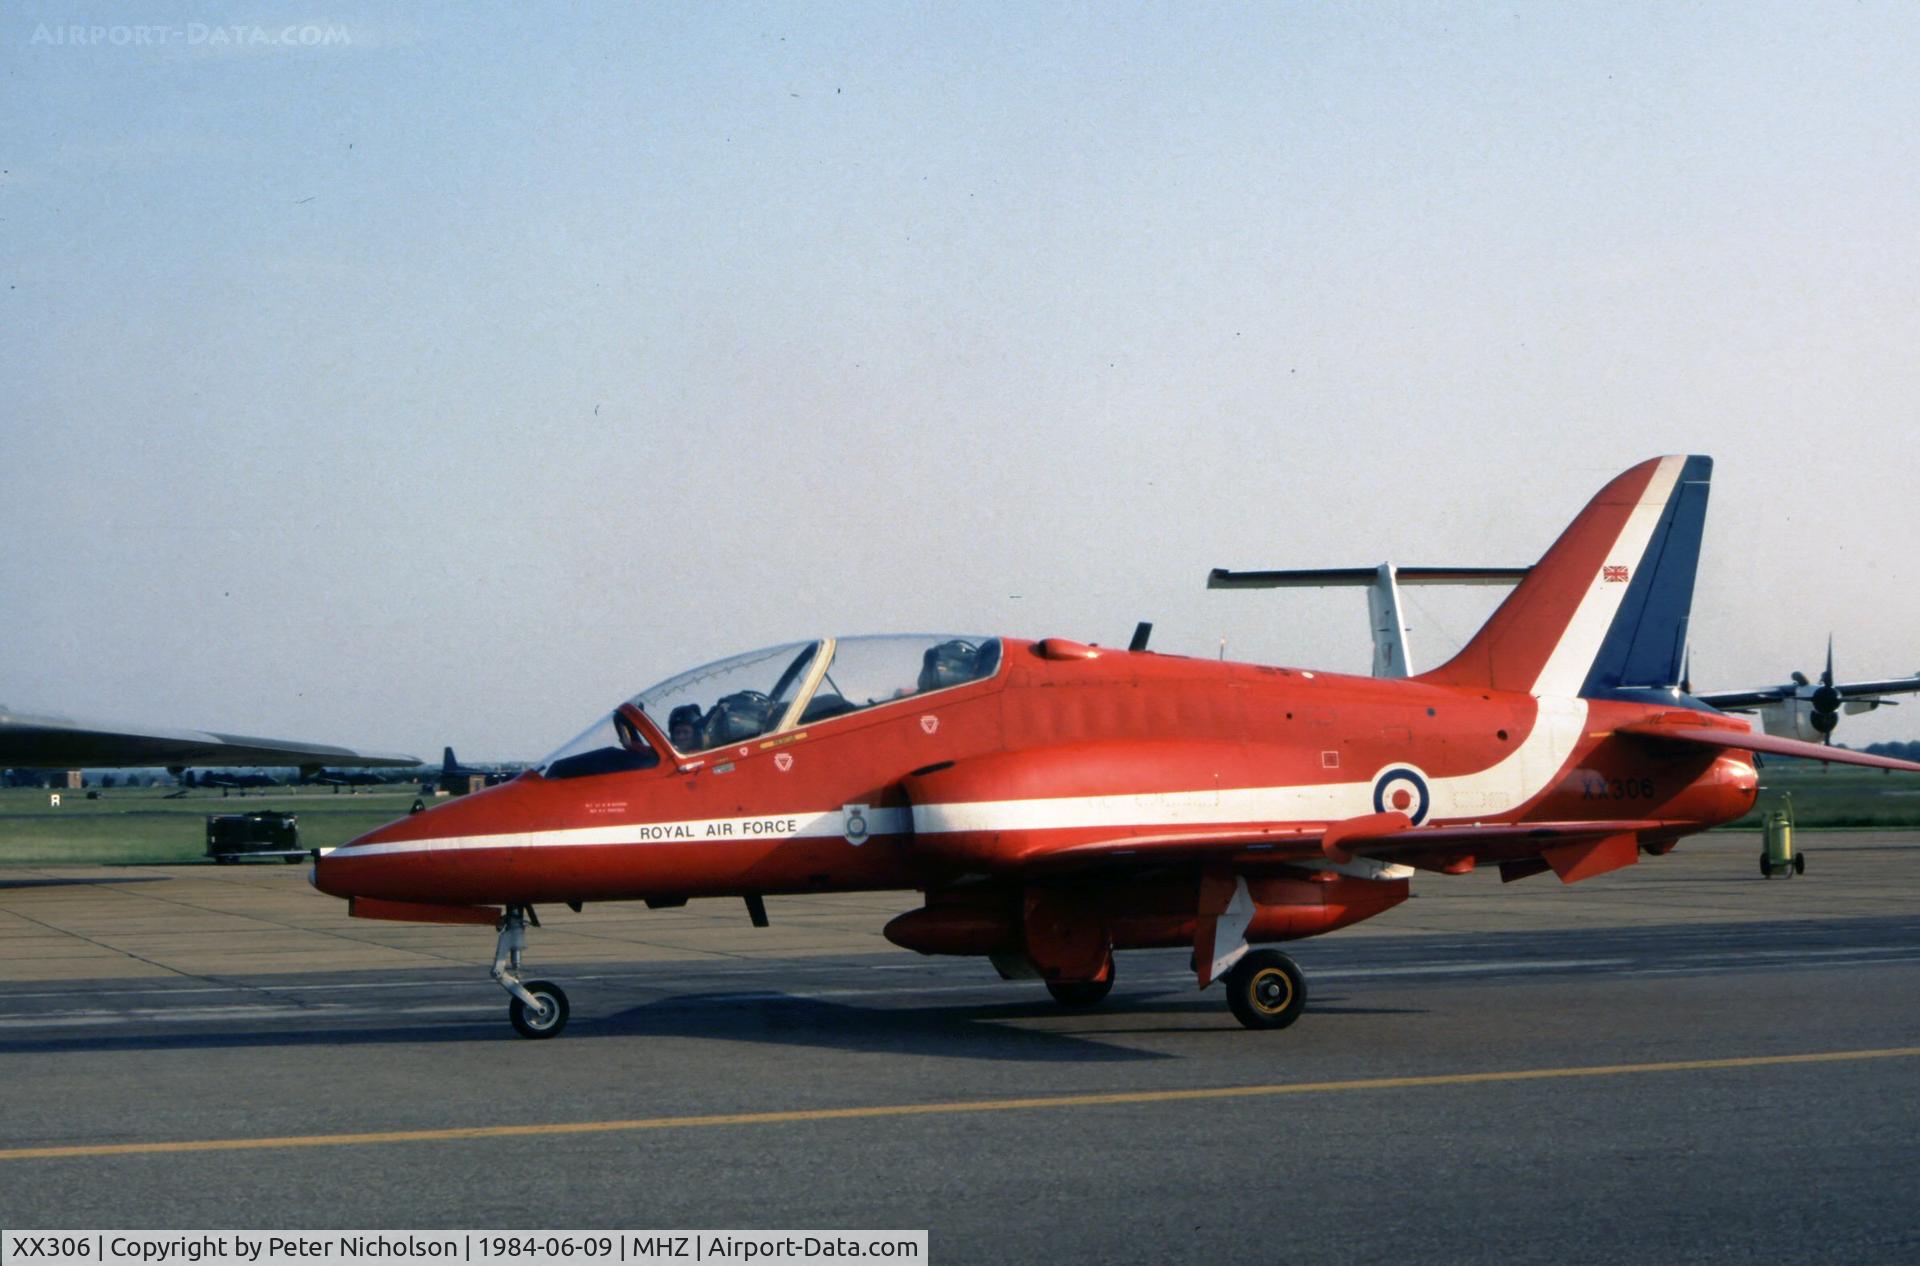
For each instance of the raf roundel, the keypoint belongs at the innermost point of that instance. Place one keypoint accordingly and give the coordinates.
(1402, 789)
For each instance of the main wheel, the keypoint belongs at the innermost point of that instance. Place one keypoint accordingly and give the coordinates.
(1766, 867)
(1266, 990)
(1081, 993)
(1799, 863)
(546, 1022)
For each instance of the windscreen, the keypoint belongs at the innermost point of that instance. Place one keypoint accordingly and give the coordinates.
(610, 745)
(734, 700)
(730, 701)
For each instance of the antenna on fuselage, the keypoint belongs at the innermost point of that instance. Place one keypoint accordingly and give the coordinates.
(1141, 632)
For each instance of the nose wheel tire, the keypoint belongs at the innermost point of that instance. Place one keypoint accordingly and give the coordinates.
(1266, 990)
(546, 1022)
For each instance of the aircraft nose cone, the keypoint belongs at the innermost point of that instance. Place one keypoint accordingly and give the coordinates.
(408, 859)
(346, 871)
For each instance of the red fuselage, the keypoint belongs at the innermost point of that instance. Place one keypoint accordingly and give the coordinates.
(1062, 746)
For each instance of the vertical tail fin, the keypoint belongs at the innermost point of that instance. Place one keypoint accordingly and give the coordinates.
(447, 763)
(1606, 608)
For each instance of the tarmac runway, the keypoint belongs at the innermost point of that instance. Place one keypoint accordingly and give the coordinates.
(1678, 1062)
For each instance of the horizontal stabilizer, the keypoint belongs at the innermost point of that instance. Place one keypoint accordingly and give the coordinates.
(1707, 736)
(1331, 577)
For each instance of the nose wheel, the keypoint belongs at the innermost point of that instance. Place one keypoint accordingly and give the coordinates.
(548, 1018)
(539, 1007)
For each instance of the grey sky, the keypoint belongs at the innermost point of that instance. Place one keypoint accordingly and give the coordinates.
(447, 384)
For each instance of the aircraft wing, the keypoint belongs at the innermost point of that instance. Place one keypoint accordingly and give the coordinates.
(1706, 736)
(1734, 700)
(1574, 849)
(49, 742)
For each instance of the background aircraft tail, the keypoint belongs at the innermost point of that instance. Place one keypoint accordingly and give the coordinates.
(447, 763)
(1605, 610)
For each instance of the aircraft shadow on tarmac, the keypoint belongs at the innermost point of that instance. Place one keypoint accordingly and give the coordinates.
(990, 1032)
(971, 1031)
(116, 882)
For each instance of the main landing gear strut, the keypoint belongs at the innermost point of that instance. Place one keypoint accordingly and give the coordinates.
(539, 1007)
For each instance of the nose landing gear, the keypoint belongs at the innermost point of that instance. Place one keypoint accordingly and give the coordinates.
(539, 1007)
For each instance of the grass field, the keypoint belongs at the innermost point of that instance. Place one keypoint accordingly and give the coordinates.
(1837, 795)
(141, 825)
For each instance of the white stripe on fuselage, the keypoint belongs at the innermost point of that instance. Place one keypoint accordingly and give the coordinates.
(1500, 788)
(1567, 667)
(809, 824)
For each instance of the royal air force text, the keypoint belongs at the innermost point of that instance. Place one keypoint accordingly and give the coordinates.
(750, 827)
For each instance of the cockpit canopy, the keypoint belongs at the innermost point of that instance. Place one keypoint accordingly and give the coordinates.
(776, 689)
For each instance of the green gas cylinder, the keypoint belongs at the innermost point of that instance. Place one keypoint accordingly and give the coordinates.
(1777, 855)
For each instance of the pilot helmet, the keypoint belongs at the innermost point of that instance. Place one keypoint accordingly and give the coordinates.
(948, 664)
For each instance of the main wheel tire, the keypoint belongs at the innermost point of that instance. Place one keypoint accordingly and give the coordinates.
(1799, 863)
(1081, 993)
(1766, 867)
(1266, 990)
(546, 1022)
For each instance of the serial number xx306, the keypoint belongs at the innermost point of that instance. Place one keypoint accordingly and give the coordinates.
(1594, 787)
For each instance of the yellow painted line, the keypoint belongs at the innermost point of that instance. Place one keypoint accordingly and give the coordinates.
(802, 1115)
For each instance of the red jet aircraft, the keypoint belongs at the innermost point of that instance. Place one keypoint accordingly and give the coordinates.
(1057, 801)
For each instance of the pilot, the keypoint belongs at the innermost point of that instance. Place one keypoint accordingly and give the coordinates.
(948, 664)
(683, 727)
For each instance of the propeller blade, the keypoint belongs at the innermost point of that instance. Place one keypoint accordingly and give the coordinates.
(1826, 678)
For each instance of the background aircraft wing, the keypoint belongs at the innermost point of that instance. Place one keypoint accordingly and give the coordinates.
(48, 742)
(1730, 700)
(1892, 686)
(1733, 700)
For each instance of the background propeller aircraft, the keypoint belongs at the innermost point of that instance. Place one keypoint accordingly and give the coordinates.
(1057, 802)
(1811, 711)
